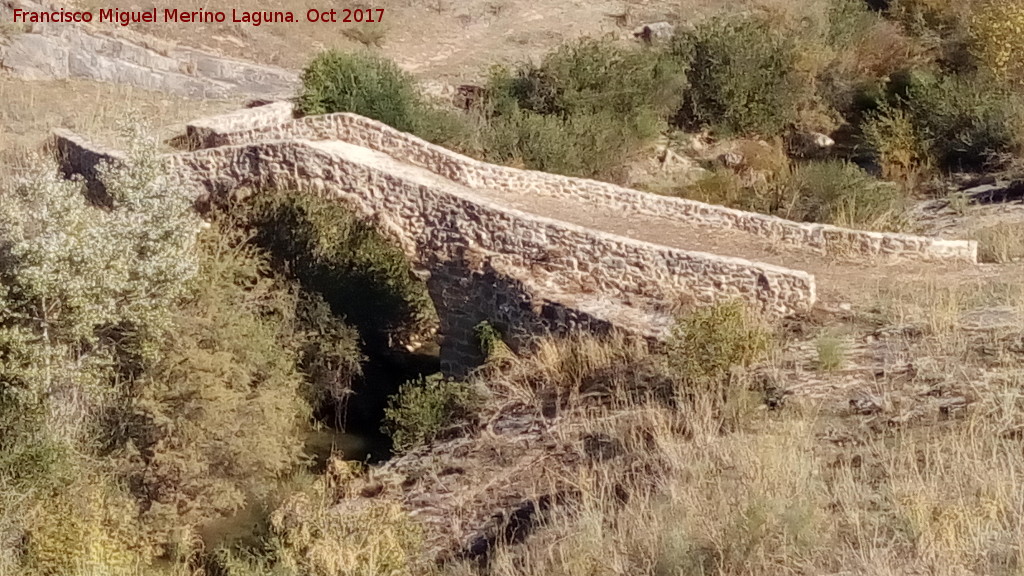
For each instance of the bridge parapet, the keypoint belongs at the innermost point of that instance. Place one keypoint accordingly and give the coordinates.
(819, 238)
(529, 273)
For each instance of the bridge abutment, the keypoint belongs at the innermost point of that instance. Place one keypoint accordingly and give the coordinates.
(473, 290)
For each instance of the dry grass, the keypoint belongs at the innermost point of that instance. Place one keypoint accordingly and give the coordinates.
(944, 499)
(1001, 243)
(30, 110)
(809, 489)
(932, 304)
(939, 305)
(941, 499)
(564, 366)
(806, 489)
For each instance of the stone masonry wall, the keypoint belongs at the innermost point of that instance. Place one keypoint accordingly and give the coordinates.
(65, 50)
(441, 220)
(78, 156)
(468, 295)
(528, 272)
(821, 238)
(207, 132)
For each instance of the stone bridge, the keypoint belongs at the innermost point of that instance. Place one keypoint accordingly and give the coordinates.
(528, 251)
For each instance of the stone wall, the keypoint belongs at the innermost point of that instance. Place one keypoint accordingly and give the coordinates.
(488, 261)
(209, 132)
(76, 155)
(80, 157)
(65, 50)
(821, 238)
(468, 295)
(441, 220)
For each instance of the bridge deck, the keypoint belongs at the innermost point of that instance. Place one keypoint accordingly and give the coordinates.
(838, 279)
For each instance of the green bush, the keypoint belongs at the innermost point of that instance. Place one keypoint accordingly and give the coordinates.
(959, 123)
(220, 416)
(491, 343)
(582, 145)
(365, 84)
(329, 357)
(588, 107)
(841, 193)
(831, 353)
(593, 76)
(151, 374)
(424, 408)
(848, 22)
(743, 76)
(704, 352)
(895, 140)
(708, 343)
(330, 252)
(375, 87)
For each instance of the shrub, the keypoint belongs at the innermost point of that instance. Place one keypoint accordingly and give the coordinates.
(839, 192)
(87, 270)
(959, 123)
(372, 538)
(142, 357)
(703, 351)
(720, 186)
(830, 192)
(424, 408)
(330, 252)
(491, 344)
(89, 528)
(896, 142)
(727, 188)
(375, 87)
(81, 287)
(848, 22)
(220, 416)
(330, 357)
(364, 84)
(742, 74)
(936, 22)
(592, 76)
(584, 110)
(997, 37)
(867, 53)
(965, 122)
(451, 129)
(831, 353)
(706, 344)
(582, 145)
